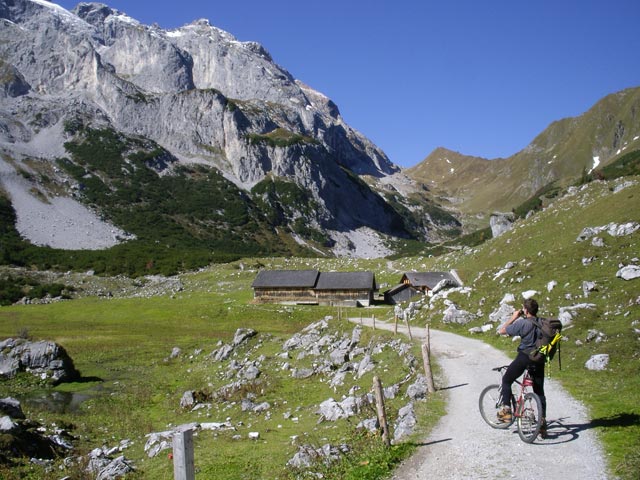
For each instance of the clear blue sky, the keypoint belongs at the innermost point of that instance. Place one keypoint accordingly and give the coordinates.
(479, 77)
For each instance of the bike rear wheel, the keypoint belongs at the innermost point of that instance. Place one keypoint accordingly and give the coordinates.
(490, 402)
(530, 417)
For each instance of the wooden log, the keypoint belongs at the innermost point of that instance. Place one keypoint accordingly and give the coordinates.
(382, 415)
(427, 368)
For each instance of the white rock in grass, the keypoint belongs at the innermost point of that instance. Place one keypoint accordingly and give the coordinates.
(597, 362)
(629, 272)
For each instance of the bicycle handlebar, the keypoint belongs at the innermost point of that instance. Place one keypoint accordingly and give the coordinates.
(499, 369)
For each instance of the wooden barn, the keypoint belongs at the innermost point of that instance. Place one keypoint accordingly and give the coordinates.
(285, 286)
(314, 287)
(355, 289)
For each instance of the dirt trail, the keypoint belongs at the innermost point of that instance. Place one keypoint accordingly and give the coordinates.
(463, 446)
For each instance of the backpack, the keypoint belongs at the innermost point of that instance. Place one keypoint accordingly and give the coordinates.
(547, 340)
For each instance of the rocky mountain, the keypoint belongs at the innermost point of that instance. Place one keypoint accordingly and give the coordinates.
(560, 155)
(190, 131)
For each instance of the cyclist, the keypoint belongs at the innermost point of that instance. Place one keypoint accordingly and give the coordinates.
(520, 325)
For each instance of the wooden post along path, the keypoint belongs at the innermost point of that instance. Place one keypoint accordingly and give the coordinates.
(183, 466)
(382, 415)
(426, 359)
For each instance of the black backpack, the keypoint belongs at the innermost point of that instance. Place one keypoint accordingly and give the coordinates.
(548, 335)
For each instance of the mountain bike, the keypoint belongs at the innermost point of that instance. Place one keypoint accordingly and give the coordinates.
(526, 406)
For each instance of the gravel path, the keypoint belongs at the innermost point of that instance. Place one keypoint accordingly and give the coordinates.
(463, 446)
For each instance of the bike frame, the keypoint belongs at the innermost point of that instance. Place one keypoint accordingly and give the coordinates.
(526, 383)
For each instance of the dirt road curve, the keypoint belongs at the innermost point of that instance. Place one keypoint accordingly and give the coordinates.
(463, 446)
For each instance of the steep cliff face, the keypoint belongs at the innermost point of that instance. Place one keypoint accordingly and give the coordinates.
(197, 92)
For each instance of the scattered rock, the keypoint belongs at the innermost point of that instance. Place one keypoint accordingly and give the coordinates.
(629, 272)
(502, 314)
(370, 424)
(508, 298)
(365, 365)
(242, 335)
(307, 456)
(588, 287)
(595, 336)
(44, 359)
(612, 229)
(597, 362)
(418, 390)
(11, 407)
(250, 372)
(117, 468)
(188, 399)
(453, 315)
(406, 422)
(157, 442)
(301, 373)
(331, 410)
(222, 353)
(501, 223)
(567, 314)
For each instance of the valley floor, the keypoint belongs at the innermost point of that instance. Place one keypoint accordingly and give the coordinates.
(463, 446)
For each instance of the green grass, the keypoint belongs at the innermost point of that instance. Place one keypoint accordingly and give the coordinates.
(125, 344)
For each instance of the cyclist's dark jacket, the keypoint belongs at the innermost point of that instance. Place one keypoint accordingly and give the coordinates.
(526, 330)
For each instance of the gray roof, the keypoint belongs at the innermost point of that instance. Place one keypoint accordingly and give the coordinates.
(397, 288)
(285, 278)
(428, 279)
(346, 281)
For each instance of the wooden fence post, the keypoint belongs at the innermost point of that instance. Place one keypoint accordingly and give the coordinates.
(426, 359)
(382, 415)
(374, 321)
(183, 467)
(395, 324)
(406, 320)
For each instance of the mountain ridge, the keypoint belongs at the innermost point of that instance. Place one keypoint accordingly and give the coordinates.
(201, 98)
(562, 153)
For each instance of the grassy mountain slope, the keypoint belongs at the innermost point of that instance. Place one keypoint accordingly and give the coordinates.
(560, 155)
(544, 249)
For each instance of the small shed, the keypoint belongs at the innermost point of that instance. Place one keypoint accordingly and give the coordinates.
(285, 286)
(427, 281)
(400, 293)
(346, 288)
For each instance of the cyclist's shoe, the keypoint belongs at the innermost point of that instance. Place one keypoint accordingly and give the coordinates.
(543, 429)
(504, 415)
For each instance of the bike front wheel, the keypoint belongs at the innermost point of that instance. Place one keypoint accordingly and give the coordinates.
(490, 402)
(530, 417)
